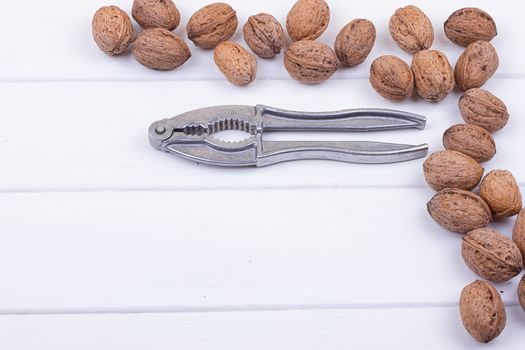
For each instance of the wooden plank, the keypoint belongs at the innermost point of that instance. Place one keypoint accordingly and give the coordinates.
(65, 49)
(76, 136)
(400, 328)
(215, 249)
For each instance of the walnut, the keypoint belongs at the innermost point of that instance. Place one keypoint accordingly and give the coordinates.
(491, 255)
(411, 29)
(354, 42)
(459, 210)
(502, 193)
(518, 234)
(237, 64)
(307, 19)
(112, 30)
(310, 62)
(212, 25)
(264, 35)
(433, 75)
(392, 78)
(470, 140)
(156, 14)
(160, 49)
(468, 25)
(482, 311)
(482, 108)
(451, 169)
(476, 65)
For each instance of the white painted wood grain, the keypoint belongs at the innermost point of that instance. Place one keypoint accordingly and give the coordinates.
(58, 44)
(218, 249)
(88, 136)
(398, 328)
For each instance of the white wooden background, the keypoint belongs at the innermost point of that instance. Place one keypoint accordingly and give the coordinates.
(106, 243)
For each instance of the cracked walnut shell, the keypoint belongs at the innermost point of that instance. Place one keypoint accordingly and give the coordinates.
(307, 19)
(310, 62)
(491, 255)
(212, 25)
(264, 35)
(112, 30)
(482, 311)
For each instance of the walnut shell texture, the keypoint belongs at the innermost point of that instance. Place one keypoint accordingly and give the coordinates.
(212, 25)
(459, 211)
(518, 233)
(156, 14)
(482, 311)
(392, 78)
(307, 19)
(310, 62)
(470, 140)
(411, 29)
(521, 292)
(451, 169)
(502, 193)
(433, 74)
(491, 255)
(264, 35)
(238, 65)
(160, 49)
(468, 25)
(476, 65)
(355, 41)
(482, 108)
(112, 30)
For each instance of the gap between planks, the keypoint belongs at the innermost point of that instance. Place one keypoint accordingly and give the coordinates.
(503, 76)
(210, 189)
(224, 309)
(197, 189)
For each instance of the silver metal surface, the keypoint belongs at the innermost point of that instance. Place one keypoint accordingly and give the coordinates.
(191, 135)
